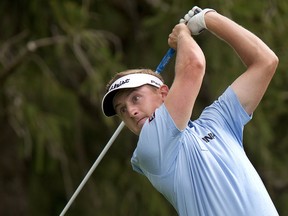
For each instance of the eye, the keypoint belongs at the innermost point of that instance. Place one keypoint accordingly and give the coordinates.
(123, 110)
(136, 98)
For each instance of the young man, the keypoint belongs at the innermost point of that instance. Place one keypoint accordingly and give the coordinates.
(200, 166)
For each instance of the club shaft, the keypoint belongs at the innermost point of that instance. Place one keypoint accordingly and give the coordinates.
(108, 145)
(169, 54)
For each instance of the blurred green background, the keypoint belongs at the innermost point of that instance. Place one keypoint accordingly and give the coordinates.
(55, 59)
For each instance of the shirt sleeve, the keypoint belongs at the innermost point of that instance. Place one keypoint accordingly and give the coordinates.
(228, 114)
(158, 144)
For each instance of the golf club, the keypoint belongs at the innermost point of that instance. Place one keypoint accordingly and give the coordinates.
(165, 60)
(169, 54)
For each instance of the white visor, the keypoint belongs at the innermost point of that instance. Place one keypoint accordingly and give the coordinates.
(128, 81)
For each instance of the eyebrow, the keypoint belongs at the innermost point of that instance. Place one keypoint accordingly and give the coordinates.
(129, 92)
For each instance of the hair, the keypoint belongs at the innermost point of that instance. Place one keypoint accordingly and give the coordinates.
(132, 71)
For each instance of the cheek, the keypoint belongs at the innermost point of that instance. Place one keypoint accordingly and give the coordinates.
(154, 104)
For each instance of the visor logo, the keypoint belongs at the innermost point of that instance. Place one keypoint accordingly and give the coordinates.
(154, 82)
(117, 85)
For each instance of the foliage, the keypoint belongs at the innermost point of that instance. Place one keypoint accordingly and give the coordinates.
(55, 58)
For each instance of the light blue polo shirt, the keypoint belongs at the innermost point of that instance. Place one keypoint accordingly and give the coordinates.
(203, 170)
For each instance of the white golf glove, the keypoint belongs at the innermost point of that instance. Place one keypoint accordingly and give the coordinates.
(195, 21)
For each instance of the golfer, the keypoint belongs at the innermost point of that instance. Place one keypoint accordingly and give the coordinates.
(199, 166)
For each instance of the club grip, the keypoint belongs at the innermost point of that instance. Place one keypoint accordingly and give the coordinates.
(169, 54)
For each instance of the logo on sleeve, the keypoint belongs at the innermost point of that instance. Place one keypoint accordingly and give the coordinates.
(152, 117)
(208, 137)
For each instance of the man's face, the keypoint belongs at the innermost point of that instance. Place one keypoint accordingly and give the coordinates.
(135, 106)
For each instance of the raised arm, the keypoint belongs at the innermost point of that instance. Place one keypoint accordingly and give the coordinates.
(260, 60)
(189, 73)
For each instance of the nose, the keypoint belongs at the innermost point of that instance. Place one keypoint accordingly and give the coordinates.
(133, 111)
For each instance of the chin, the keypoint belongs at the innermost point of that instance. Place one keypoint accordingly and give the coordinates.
(136, 132)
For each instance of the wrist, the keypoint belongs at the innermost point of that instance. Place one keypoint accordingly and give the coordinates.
(196, 19)
(183, 36)
(210, 17)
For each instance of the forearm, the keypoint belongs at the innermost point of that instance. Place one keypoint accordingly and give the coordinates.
(260, 60)
(249, 47)
(189, 58)
(189, 72)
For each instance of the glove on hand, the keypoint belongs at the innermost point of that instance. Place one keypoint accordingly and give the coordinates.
(195, 20)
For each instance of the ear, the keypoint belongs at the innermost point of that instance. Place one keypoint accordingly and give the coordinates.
(164, 89)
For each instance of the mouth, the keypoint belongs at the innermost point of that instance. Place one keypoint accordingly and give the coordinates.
(141, 121)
